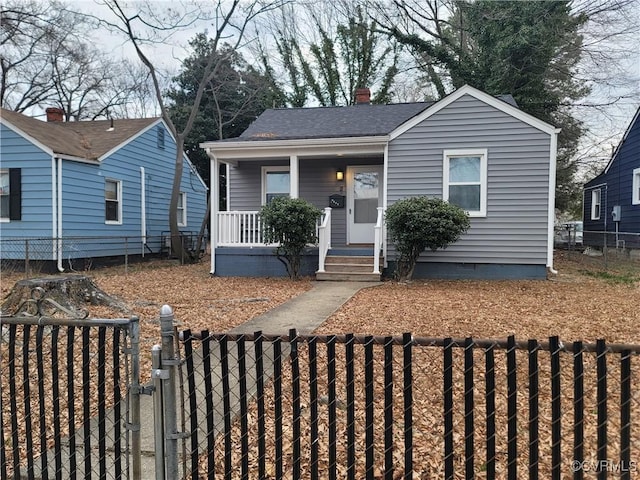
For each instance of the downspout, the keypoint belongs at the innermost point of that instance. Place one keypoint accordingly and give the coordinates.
(143, 209)
(60, 268)
(553, 151)
(54, 210)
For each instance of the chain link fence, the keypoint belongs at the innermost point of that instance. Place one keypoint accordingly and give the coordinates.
(33, 256)
(272, 407)
(604, 250)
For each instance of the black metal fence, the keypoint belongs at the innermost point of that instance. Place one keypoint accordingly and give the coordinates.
(260, 406)
(65, 406)
(263, 406)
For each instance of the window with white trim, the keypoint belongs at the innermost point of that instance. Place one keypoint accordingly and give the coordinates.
(4, 195)
(635, 196)
(465, 180)
(596, 203)
(182, 209)
(275, 183)
(113, 201)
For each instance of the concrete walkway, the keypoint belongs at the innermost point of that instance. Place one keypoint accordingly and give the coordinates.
(305, 313)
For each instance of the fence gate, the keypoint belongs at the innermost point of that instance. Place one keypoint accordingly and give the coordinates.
(69, 396)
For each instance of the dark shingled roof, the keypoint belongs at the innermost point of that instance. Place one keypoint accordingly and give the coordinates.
(333, 122)
(330, 122)
(85, 139)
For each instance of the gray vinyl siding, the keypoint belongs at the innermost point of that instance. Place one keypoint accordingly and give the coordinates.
(515, 230)
(317, 183)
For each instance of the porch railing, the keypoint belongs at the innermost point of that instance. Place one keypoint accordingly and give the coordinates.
(324, 238)
(236, 228)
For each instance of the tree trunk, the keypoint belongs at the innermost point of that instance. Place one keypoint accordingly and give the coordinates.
(62, 296)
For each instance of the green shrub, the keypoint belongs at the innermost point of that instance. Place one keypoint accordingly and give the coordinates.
(291, 223)
(419, 223)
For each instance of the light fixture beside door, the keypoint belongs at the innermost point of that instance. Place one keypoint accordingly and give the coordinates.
(339, 175)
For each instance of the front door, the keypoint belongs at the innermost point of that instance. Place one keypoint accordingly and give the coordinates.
(364, 196)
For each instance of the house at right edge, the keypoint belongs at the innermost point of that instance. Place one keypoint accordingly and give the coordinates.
(611, 207)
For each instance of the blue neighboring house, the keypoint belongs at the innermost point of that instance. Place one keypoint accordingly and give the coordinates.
(81, 188)
(612, 199)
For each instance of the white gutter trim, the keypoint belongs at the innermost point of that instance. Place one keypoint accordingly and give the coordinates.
(77, 159)
(229, 152)
(143, 209)
(219, 147)
(60, 268)
(553, 151)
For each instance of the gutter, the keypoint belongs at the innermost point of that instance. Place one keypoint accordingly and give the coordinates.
(143, 209)
(59, 212)
(54, 210)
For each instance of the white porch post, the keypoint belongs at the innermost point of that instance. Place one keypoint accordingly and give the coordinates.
(294, 177)
(215, 192)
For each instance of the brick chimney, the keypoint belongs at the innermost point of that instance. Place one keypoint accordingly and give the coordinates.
(363, 96)
(55, 114)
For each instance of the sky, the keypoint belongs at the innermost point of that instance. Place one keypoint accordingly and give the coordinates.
(606, 123)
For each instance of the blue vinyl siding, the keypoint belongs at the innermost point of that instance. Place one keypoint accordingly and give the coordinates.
(36, 221)
(83, 198)
(616, 184)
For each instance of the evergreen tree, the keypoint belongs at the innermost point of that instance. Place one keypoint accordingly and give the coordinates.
(527, 49)
(232, 99)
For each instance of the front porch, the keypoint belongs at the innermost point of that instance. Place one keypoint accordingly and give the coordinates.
(238, 250)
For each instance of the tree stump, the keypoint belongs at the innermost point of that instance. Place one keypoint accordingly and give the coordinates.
(61, 296)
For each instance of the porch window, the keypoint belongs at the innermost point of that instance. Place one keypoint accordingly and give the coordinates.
(182, 209)
(113, 201)
(275, 183)
(596, 199)
(635, 197)
(465, 180)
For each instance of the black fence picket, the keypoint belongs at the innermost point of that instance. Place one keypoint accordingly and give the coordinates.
(64, 414)
(303, 406)
(341, 401)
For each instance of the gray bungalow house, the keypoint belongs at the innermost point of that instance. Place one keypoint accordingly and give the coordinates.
(470, 148)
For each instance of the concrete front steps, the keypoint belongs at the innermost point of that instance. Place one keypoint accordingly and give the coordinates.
(349, 268)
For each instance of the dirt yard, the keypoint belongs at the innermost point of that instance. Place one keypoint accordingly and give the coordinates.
(581, 302)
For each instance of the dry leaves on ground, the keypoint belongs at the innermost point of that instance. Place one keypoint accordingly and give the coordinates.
(573, 306)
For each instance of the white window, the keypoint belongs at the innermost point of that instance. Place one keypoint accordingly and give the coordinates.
(596, 198)
(113, 201)
(465, 180)
(4, 195)
(182, 209)
(275, 183)
(635, 196)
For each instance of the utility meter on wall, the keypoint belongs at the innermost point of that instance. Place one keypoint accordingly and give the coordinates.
(615, 213)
